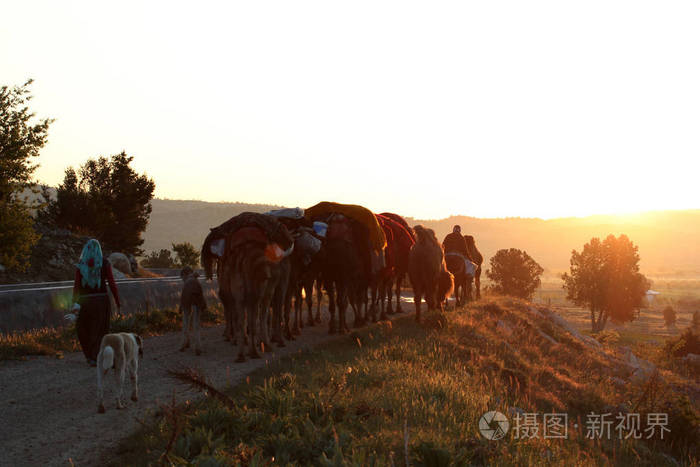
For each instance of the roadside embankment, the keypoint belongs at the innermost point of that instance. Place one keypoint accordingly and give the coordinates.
(37, 306)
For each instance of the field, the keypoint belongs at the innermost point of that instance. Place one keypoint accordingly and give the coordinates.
(683, 294)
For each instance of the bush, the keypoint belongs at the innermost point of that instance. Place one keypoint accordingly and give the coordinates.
(514, 273)
(669, 316)
(162, 259)
(688, 342)
(186, 254)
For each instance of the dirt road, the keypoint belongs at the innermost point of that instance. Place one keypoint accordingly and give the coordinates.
(48, 406)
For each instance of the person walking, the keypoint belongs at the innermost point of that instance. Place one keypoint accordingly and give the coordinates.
(90, 298)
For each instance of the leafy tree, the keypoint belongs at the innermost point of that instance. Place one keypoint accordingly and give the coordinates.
(107, 199)
(161, 259)
(20, 142)
(514, 273)
(669, 316)
(605, 278)
(186, 254)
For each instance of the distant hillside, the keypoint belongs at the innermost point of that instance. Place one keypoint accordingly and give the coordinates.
(668, 240)
(175, 221)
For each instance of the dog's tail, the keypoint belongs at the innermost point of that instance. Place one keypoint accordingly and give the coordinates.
(107, 358)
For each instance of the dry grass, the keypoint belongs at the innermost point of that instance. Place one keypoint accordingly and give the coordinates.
(410, 394)
(55, 341)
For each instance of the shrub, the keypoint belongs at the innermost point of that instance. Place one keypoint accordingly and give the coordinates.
(514, 273)
(669, 316)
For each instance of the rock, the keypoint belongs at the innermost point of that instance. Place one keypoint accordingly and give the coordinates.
(618, 381)
(693, 360)
(547, 336)
(641, 369)
(120, 262)
(133, 263)
(568, 327)
(504, 327)
(118, 274)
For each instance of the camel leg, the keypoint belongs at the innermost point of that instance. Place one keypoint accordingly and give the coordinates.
(477, 282)
(388, 289)
(417, 297)
(332, 325)
(342, 305)
(309, 293)
(373, 307)
(298, 311)
(399, 280)
(287, 312)
(319, 297)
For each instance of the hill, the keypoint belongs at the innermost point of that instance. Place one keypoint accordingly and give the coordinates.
(667, 240)
(399, 393)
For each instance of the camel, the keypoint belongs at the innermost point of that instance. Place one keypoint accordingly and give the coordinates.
(355, 245)
(456, 266)
(248, 250)
(477, 259)
(407, 239)
(399, 243)
(303, 269)
(346, 270)
(426, 265)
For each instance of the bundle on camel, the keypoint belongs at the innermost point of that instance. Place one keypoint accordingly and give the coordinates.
(247, 226)
(358, 213)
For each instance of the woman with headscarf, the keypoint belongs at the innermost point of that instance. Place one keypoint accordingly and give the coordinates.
(90, 298)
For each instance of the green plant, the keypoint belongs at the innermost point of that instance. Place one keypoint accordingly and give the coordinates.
(106, 199)
(605, 278)
(514, 273)
(20, 142)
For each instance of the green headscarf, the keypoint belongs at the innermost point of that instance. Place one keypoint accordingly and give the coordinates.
(90, 264)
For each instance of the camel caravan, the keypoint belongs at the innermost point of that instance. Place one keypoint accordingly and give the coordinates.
(268, 264)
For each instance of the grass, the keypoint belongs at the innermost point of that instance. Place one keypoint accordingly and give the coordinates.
(409, 394)
(56, 341)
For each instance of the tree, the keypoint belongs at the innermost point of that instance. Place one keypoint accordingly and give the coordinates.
(161, 259)
(669, 316)
(106, 199)
(514, 273)
(186, 254)
(605, 278)
(20, 142)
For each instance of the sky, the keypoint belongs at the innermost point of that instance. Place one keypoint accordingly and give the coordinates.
(427, 109)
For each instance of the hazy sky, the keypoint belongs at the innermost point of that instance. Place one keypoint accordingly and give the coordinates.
(427, 109)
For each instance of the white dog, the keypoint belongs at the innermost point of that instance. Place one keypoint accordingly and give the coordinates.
(119, 351)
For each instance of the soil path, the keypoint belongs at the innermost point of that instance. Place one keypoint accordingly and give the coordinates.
(48, 406)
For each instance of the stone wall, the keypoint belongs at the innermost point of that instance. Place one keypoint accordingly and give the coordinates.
(33, 309)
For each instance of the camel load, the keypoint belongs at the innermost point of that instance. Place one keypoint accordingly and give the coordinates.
(364, 216)
(240, 229)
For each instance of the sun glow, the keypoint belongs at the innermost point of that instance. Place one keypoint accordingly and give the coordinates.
(542, 109)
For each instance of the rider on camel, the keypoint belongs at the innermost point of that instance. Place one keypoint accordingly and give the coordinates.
(455, 244)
